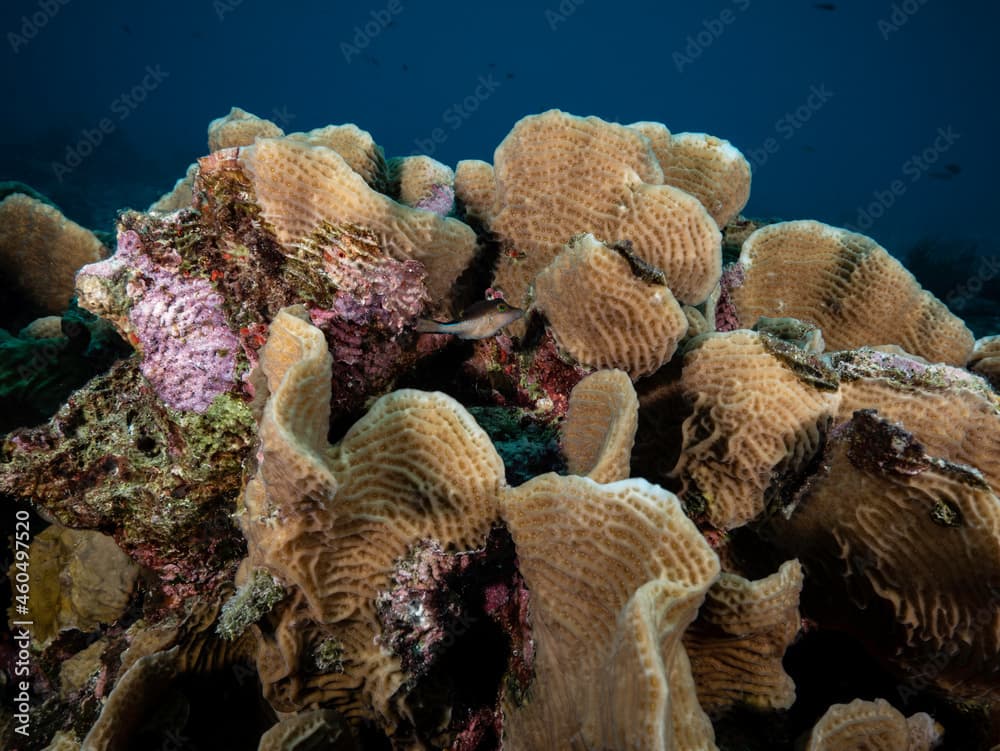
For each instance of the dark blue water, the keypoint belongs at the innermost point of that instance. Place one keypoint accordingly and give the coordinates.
(874, 115)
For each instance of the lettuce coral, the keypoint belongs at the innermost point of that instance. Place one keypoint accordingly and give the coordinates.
(372, 527)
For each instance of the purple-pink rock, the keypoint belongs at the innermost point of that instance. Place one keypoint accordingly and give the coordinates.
(189, 353)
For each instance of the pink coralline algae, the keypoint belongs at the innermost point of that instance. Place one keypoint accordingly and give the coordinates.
(726, 318)
(441, 200)
(189, 353)
(377, 298)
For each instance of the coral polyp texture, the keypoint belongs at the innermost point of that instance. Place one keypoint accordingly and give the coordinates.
(41, 250)
(239, 128)
(759, 409)
(423, 183)
(355, 146)
(300, 188)
(558, 176)
(287, 511)
(914, 541)
(849, 286)
(985, 359)
(709, 168)
(600, 425)
(602, 616)
(739, 640)
(476, 189)
(875, 725)
(606, 312)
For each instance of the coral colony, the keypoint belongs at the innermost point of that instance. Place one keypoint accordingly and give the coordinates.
(558, 452)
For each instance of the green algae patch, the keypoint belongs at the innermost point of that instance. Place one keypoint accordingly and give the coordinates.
(162, 482)
(252, 601)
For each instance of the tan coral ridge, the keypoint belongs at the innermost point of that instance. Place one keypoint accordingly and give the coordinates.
(759, 408)
(739, 640)
(302, 188)
(600, 425)
(709, 168)
(873, 725)
(913, 542)
(608, 309)
(849, 286)
(41, 250)
(557, 176)
(335, 521)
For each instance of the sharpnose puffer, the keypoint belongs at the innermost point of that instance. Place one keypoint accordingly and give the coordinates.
(479, 321)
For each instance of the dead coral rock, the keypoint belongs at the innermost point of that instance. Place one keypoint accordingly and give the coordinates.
(600, 425)
(558, 176)
(163, 482)
(849, 286)
(759, 409)
(77, 671)
(873, 725)
(929, 401)
(239, 128)
(605, 313)
(41, 250)
(189, 352)
(739, 639)
(906, 549)
(196, 290)
(300, 188)
(80, 579)
(601, 615)
(709, 168)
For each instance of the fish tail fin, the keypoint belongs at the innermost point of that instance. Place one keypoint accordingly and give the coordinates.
(428, 326)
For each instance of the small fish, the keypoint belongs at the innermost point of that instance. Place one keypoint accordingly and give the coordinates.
(824, 6)
(479, 321)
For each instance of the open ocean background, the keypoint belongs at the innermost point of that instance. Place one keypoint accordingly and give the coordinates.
(878, 116)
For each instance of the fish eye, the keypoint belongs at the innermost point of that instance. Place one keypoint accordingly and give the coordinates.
(502, 307)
